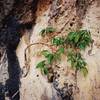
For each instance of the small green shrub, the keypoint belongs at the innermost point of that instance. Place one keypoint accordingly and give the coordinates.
(49, 56)
(46, 31)
(58, 41)
(79, 39)
(72, 43)
(77, 62)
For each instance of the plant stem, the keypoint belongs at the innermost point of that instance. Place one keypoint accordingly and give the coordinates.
(38, 43)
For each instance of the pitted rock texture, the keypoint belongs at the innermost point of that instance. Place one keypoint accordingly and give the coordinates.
(65, 16)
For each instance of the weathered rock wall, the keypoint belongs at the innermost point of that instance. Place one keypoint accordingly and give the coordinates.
(63, 15)
(28, 18)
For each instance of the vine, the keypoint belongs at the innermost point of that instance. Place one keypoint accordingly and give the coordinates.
(69, 45)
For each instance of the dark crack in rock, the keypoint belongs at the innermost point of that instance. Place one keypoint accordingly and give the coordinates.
(15, 15)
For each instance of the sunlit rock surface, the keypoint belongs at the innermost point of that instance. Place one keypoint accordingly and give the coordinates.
(63, 15)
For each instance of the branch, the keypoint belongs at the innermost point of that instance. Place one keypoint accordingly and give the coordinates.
(38, 43)
(26, 61)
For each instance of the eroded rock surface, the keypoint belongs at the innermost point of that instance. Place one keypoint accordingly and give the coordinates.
(28, 17)
(64, 15)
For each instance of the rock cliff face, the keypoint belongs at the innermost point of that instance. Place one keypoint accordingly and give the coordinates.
(64, 15)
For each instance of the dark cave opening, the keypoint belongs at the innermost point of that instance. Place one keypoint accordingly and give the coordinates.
(10, 34)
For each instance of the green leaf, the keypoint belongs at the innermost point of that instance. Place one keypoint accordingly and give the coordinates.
(50, 30)
(50, 58)
(47, 30)
(84, 32)
(85, 39)
(41, 64)
(43, 67)
(45, 53)
(82, 46)
(45, 70)
(76, 60)
(61, 50)
(42, 33)
(48, 55)
(57, 41)
(71, 36)
(77, 37)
